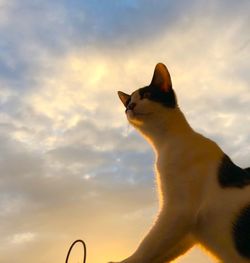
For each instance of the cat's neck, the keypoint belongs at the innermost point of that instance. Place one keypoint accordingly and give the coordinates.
(162, 133)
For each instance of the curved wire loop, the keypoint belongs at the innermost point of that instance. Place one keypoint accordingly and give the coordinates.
(84, 250)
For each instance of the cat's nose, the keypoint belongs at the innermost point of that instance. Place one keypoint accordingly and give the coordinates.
(131, 106)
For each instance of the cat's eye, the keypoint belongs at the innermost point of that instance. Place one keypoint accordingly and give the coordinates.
(146, 95)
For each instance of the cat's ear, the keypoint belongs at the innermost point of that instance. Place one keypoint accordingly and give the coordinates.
(161, 78)
(124, 98)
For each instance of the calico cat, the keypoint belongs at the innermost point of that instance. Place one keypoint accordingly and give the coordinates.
(204, 196)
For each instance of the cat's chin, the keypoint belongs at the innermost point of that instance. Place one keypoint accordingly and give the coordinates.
(137, 118)
(138, 115)
(134, 119)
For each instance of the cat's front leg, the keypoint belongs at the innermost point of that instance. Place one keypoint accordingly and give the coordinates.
(170, 254)
(179, 249)
(172, 225)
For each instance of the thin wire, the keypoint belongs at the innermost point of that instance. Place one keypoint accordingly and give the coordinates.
(84, 250)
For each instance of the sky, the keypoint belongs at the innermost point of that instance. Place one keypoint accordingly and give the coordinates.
(70, 165)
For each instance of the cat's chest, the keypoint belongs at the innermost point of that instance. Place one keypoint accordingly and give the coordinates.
(185, 175)
(175, 175)
(189, 157)
(175, 162)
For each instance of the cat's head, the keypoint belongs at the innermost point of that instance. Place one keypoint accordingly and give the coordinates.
(153, 104)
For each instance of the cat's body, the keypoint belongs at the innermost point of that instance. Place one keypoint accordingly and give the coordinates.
(205, 198)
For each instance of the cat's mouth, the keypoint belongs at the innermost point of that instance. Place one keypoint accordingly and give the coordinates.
(132, 113)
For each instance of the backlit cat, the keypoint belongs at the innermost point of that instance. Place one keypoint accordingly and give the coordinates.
(205, 197)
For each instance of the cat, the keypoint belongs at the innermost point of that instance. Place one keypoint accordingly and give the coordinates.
(204, 196)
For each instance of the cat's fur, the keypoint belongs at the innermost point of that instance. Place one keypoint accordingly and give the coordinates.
(205, 197)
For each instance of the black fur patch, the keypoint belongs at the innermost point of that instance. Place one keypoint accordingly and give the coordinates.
(241, 232)
(247, 169)
(167, 99)
(231, 175)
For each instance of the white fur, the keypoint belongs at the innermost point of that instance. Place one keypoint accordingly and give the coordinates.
(194, 208)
